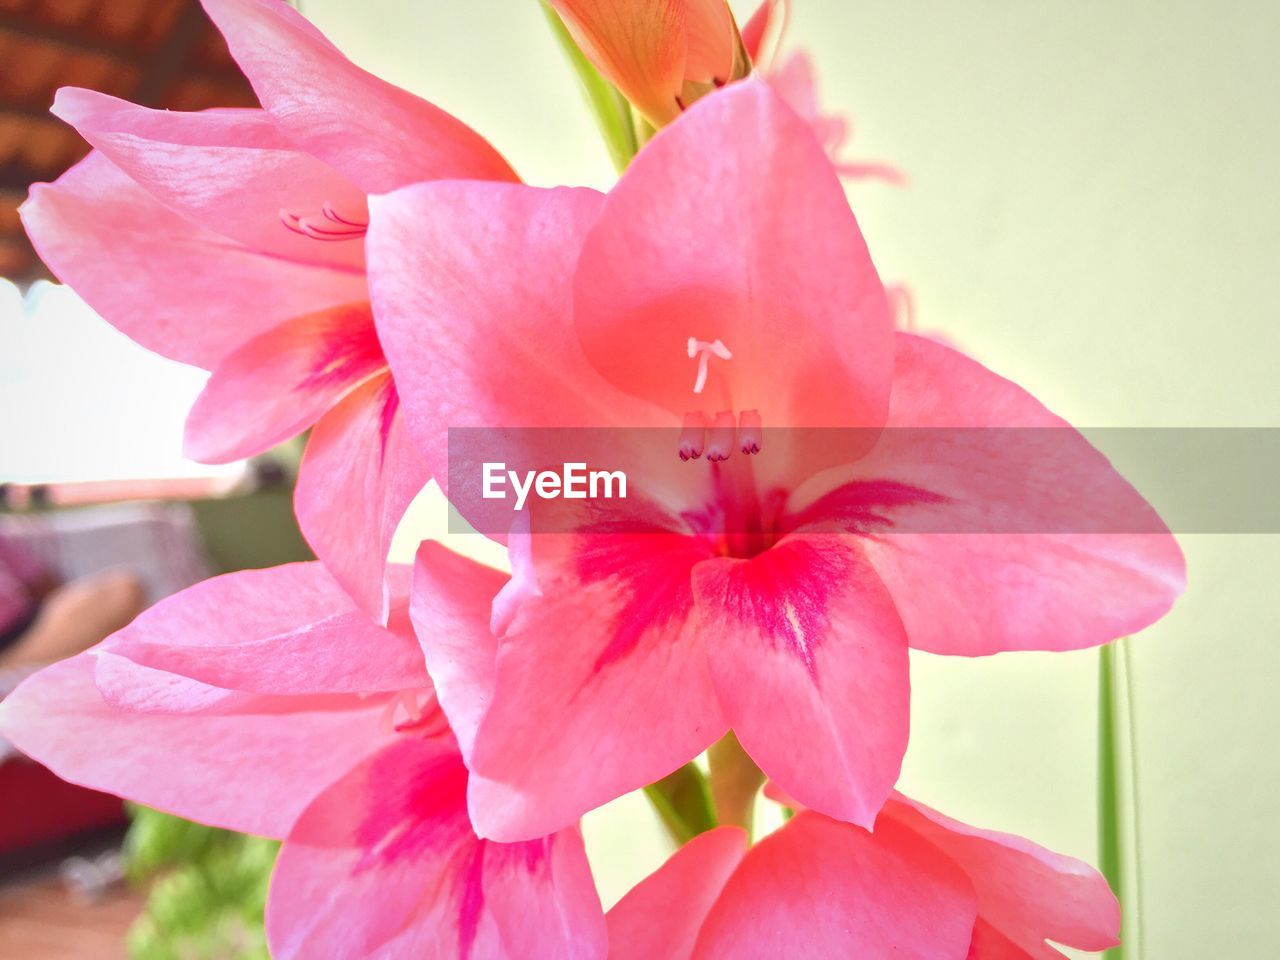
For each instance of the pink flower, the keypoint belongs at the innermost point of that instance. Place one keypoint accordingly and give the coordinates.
(795, 80)
(233, 240)
(266, 702)
(921, 887)
(776, 592)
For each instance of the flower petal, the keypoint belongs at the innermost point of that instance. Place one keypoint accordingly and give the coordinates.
(795, 80)
(1026, 894)
(810, 666)
(601, 684)
(385, 864)
(662, 914)
(358, 476)
(377, 135)
(451, 605)
(253, 770)
(173, 286)
(281, 382)
(231, 171)
(731, 228)
(761, 24)
(1023, 536)
(818, 888)
(489, 341)
(288, 630)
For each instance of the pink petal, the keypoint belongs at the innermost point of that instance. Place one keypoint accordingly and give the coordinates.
(253, 771)
(374, 133)
(796, 81)
(231, 171)
(489, 342)
(132, 687)
(452, 600)
(819, 889)
(543, 900)
(985, 557)
(662, 914)
(639, 46)
(1026, 894)
(174, 286)
(287, 630)
(990, 944)
(601, 683)
(358, 476)
(281, 382)
(731, 227)
(810, 666)
(758, 26)
(385, 864)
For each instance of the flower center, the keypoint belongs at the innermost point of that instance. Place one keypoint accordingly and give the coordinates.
(741, 521)
(330, 226)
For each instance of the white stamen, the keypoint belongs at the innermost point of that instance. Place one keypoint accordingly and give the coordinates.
(703, 350)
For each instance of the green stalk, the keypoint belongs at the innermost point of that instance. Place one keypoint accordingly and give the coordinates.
(683, 803)
(735, 781)
(610, 108)
(1117, 781)
(1109, 860)
(1137, 929)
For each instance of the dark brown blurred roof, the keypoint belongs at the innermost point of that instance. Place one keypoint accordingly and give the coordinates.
(160, 53)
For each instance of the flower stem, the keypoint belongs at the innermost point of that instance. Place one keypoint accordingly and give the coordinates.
(610, 108)
(683, 803)
(1117, 781)
(735, 781)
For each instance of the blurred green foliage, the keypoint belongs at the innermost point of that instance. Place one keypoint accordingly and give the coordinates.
(207, 891)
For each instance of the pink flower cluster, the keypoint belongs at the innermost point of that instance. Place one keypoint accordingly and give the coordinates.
(353, 260)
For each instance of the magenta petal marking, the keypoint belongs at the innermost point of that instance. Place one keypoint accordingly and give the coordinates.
(472, 901)
(786, 593)
(393, 827)
(653, 570)
(861, 506)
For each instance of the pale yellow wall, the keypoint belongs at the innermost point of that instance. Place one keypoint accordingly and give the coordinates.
(1094, 212)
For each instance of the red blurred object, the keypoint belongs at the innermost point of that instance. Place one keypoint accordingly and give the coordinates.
(38, 809)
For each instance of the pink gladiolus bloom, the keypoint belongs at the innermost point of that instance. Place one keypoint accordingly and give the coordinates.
(233, 240)
(266, 702)
(795, 80)
(741, 600)
(921, 887)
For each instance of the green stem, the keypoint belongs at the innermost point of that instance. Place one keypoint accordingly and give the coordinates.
(1117, 776)
(683, 803)
(1137, 929)
(610, 108)
(735, 781)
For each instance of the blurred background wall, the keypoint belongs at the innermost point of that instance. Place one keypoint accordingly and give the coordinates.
(1093, 211)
